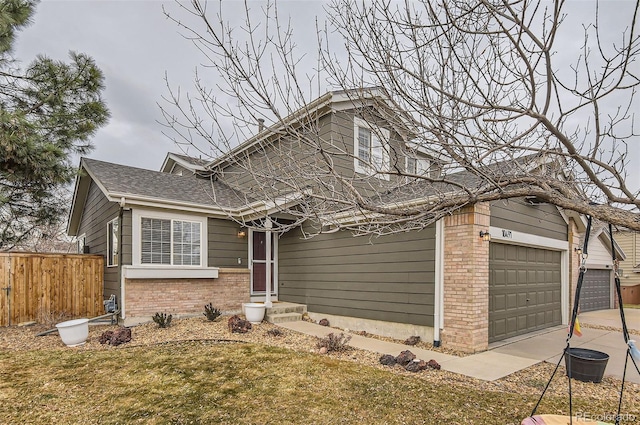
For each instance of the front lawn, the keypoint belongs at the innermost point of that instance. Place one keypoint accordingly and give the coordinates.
(244, 383)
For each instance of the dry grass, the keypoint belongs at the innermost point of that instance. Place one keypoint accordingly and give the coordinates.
(159, 379)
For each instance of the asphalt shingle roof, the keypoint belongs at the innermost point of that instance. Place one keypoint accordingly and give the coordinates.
(126, 180)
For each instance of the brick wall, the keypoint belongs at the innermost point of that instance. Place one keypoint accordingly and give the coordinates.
(466, 280)
(145, 297)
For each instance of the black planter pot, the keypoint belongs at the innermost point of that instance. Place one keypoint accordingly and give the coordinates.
(586, 365)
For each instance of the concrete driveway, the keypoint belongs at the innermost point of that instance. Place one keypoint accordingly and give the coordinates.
(549, 344)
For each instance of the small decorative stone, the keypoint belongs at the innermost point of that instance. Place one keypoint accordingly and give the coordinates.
(416, 366)
(388, 360)
(405, 357)
(323, 350)
(412, 340)
(323, 322)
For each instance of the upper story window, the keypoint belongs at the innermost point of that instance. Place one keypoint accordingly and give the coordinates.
(170, 242)
(371, 149)
(112, 243)
(417, 166)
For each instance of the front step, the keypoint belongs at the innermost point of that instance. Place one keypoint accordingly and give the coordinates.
(282, 312)
(283, 317)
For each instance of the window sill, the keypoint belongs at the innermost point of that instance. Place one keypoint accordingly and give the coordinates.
(372, 173)
(169, 272)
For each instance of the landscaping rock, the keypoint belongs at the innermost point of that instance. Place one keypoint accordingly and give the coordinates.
(323, 322)
(323, 350)
(105, 337)
(238, 325)
(388, 360)
(405, 357)
(416, 366)
(412, 340)
(433, 364)
(119, 336)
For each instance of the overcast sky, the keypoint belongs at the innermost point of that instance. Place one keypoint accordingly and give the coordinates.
(134, 45)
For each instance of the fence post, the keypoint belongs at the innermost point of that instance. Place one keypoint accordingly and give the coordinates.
(6, 277)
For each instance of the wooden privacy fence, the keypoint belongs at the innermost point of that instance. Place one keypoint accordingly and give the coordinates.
(37, 286)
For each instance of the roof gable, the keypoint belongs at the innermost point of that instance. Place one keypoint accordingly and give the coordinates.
(190, 163)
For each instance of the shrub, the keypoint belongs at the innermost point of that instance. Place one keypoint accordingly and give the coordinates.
(211, 313)
(162, 319)
(334, 342)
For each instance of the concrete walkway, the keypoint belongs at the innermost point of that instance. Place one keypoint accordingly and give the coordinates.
(512, 355)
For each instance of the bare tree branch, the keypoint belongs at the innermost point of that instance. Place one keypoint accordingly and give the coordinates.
(490, 92)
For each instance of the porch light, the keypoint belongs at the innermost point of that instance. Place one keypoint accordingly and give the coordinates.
(241, 233)
(485, 235)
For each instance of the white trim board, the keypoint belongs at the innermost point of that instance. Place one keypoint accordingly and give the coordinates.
(136, 250)
(499, 234)
(169, 272)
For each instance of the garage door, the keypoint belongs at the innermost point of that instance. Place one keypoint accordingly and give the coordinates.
(596, 290)
(524, 290)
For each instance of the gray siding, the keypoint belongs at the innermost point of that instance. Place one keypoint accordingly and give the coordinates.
(520, 216)
(126, 243)
(390, 278)
(224, 245)
(98, 211)
(286, 158)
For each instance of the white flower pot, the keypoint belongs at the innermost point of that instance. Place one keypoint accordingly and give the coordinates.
(74, 332)
(254, 312)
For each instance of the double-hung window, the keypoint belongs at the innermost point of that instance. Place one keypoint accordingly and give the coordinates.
(417, 166)
(371, 149)
(170, 242)
(112, 243)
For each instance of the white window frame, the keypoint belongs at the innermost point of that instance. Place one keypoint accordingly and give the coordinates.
(137, 216)
(422, 165)
(378, 150)
(81, 242)
(113, 256)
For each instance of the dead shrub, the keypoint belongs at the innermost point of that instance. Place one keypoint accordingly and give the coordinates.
(334, 342)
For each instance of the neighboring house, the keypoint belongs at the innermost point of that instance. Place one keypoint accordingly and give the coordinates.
(172, 244)
(630, 268)
(598, 287)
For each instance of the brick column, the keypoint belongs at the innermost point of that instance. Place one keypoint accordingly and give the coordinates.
(466, 280)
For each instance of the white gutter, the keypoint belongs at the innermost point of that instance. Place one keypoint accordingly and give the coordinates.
(268, 236)
(351, 217)
(256, 208)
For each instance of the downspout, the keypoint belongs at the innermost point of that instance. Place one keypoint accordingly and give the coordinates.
(120, 258)
(269, 283)
(438, 297)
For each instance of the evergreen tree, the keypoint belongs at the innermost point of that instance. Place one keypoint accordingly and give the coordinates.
(48, 112)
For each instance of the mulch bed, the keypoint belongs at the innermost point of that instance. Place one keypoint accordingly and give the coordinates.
(530, 381)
